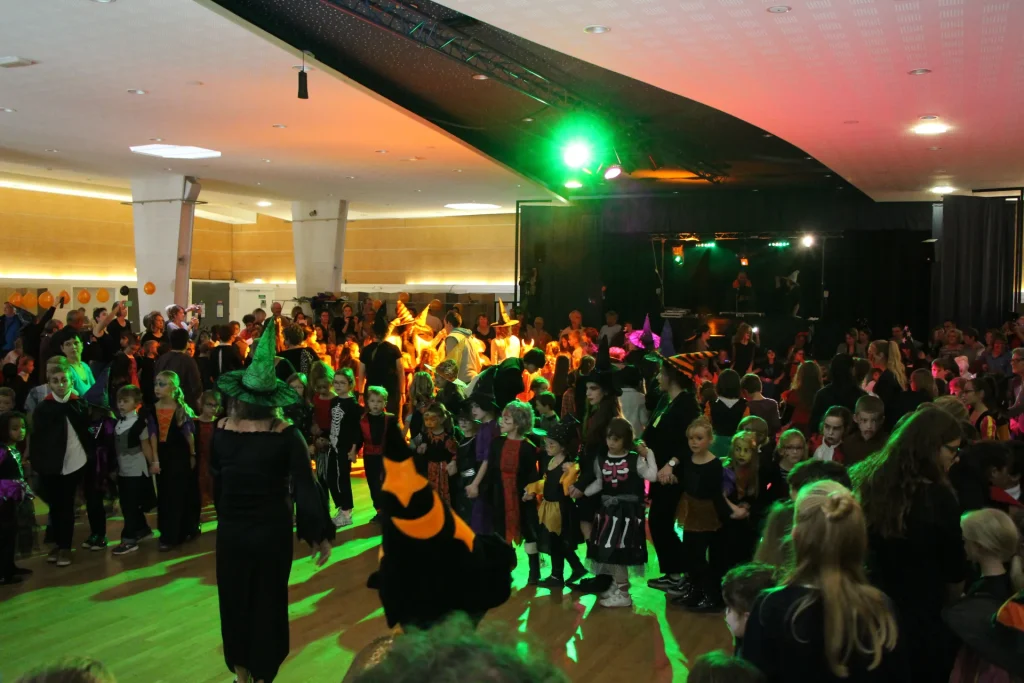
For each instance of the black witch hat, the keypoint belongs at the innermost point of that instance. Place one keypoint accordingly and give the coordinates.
(603, 374)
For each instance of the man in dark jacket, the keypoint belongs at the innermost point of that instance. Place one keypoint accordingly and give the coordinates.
(178, 361)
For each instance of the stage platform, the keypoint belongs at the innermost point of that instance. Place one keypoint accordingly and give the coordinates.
(153, 617)
(776, 331)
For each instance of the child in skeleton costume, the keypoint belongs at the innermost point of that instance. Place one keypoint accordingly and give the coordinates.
(423, 546)
(618, 540)
(343, 439)
(558, 532)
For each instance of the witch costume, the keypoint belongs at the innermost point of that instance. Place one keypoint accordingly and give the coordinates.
(251, 473)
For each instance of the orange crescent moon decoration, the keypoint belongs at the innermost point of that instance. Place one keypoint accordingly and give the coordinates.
(463, 532)
(427, 526)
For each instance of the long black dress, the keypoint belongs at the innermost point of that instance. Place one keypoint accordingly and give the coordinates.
(251, 471)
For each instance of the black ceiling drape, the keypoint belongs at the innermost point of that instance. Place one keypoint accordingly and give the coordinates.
(972, 283)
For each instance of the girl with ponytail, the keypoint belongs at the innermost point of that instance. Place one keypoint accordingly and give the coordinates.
(992, 541)
(173, 437)
(826, 622)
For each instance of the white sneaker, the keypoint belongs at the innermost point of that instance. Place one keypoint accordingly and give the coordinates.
(617, 598)
(346, 518)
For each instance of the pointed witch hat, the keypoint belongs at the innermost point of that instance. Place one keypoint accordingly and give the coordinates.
(644, 338)
(503, 319)
(423, 545)
(258, 384)
(603, 374)
(380, 321)
(667, 345)
(684, 362)
(402, 317)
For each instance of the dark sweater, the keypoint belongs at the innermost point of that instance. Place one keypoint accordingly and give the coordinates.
(789, 651)
(50, 433)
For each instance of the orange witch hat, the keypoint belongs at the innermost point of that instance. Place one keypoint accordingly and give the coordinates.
(684, 361)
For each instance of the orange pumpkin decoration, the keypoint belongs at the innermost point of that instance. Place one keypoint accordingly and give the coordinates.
(29, 300)
(149, 288)
(46, 299)
(102, 295)
(15, 299)
(84, 296)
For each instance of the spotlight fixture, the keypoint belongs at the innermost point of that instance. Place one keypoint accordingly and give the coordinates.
(677, 258)
(137, 91)
(779, 9)
(458, 170)
(264, 203)
(919, 72)
(596, 29)
(266, 161)
(304, 77)
(807, 240)
(573, 184)
(930, 128)
(613, 172)
(279, 125)
(481, 77)
(744, 261)
(942, 189)
(350, 177)
(104, 2)
(8, 110)
(577, 154)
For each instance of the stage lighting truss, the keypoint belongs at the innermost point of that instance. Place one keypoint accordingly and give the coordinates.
(408, 22)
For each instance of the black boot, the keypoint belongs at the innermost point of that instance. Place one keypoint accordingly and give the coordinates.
(534, 569)
(557, 570)
(578, 570)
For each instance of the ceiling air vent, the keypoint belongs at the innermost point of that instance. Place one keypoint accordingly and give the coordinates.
(15, 62)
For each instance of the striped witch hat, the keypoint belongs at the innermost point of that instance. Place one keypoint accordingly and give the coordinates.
(684, 362)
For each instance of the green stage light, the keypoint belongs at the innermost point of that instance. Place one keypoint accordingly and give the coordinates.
(573, 184)
(707, 245)
(678, 259)
(577, 154)
(781, 245)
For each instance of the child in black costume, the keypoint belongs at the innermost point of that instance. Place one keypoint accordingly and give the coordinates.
(14, 491)
(559, 529)
(437, 448)
(465, 465)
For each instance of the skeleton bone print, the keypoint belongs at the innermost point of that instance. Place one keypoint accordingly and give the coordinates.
(615, 470)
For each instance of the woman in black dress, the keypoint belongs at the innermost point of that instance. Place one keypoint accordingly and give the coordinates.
(916, 546)
(254, 455)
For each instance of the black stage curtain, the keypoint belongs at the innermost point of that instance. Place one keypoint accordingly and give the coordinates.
(596, 255)
(973, 281)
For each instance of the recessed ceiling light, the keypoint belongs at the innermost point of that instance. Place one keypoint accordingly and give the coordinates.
(929, 117)
(264, 203)
(779, 9)
(851, 122)
(480, 77)
(266, 161)
(472, 206)
(175, 151)
(934, 149)
(53, 151)
(15, 62)
(919, 72)
(528, 119)
(350, 177)
(8, 110)
(279, 125)
(943, 189)
(458, 170)
(596, 29)
(104, 2)
(156, 139)
(137, 91)
(168, 169)
(828, 175)
(382, 151)
(932, 128)
(767, 135)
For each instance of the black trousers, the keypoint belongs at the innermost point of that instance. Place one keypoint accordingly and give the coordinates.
(8, 539)
(338, 481)
(374, 468)
(662, 522)
(699, 570)
(60, 491)
(135, 499)
(559, 554)
(178, 500)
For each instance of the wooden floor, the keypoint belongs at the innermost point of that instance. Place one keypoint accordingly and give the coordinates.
(152, 617)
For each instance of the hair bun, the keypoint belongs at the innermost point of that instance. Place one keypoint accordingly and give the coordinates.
(839, 505)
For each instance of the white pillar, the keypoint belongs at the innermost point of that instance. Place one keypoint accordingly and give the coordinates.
(318, 236)
(163, 209)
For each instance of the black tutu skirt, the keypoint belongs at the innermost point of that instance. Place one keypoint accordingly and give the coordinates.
(619, 536)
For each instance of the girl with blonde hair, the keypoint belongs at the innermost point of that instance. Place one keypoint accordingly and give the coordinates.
(175, 448)
(992, 541)
(825, 606)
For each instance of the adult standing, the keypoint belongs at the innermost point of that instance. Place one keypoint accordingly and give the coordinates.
(256, 456)
(345, 326)
(225, 356)
(916, 547)
(433, 321)
(842, 389)
(484, 333)
(744, 350)
(575, 323)
(892, 382)
(70, 344)
(666, 436)
(32, 333)
(155, 330)
(458, 347)
(176, 319)
(1016, 411)
(380, 364)
(11, 324)
(111, 329)
(300, 357)
(180, 362)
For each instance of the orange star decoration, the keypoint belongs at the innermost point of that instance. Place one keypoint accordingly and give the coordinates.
(402, 480)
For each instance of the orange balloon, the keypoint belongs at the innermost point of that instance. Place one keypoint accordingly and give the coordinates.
(102, 295)
(83, 296)
(64, 296)
(15, 299)
(29, 300)
(149, 288)
(46, 299)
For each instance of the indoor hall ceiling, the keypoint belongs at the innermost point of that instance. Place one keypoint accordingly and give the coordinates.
(666, 142)
(213, 83)
(829, 76)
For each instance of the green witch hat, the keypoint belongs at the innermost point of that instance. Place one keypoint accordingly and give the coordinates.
(258, 384)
